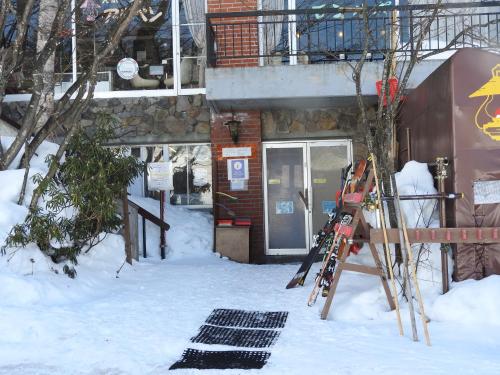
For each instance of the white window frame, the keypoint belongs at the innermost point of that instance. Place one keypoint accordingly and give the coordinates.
(177, 90)
(167, 155)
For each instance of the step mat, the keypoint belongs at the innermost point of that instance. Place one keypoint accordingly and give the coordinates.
(241, 337)
(199, 359)
(247, 319)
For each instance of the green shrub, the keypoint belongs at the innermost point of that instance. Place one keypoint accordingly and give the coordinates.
(87, 185)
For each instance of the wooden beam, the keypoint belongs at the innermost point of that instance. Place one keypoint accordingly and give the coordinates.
(440, 235)
(363, 269)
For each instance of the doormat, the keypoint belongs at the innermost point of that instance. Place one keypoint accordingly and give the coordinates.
(199, 359)
(247, 319)
(244, 338)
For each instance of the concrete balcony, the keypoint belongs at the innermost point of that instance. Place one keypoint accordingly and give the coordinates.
(306, 55)
(298, 86)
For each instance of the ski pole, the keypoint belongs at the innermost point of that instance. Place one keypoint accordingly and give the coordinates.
(413, 269)
(387, 249)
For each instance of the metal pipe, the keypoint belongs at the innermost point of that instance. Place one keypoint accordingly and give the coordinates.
(441, 174)
(341, 10)
(162, 218)
(144, 254)
(441, 196)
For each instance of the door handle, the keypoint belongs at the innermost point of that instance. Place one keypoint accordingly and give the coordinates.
(304, 198)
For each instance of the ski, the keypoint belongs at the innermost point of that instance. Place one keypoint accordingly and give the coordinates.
(322, 239)
(326, 236)
(343, 230)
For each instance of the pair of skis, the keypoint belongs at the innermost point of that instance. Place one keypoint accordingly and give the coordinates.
(331, 236)
(324, 277)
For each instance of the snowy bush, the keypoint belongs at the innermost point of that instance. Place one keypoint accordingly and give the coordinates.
(80, 203)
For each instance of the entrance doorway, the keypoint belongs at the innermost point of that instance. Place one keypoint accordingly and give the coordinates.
(300, 181)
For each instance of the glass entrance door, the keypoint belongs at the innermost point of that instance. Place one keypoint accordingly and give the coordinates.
(286, 214)
(300, 182)
(326, 162)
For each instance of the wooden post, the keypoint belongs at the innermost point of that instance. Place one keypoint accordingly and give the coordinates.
(134, 231)
(126, 228)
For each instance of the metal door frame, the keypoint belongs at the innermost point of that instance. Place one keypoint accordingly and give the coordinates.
(265, 147)
(306, 164)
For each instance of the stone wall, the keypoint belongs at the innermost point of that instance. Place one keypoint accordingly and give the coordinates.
(181, 119)
(341, 122)
(156, 120)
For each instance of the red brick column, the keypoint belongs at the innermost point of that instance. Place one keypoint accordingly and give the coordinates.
(236, 37)
(237, 46)
(250, 203)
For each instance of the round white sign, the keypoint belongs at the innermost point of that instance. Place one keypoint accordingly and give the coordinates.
(238, 165)
(127, 68)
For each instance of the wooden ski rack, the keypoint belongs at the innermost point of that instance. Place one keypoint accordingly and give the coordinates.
(360, 229)
(362, 232)
(440, 235)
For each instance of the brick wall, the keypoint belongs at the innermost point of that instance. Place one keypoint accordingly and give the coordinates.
(250, 202)
(236, 37)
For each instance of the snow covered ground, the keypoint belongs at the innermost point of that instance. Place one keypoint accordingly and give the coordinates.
(141, 321)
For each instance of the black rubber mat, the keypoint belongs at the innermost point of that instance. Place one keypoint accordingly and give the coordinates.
(247, 319)
(199, 359)
(244, 338)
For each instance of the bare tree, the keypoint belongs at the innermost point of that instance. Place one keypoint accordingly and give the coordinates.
(426, 37)
(44, 116)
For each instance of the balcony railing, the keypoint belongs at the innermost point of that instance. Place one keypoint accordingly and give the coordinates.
(306, 36)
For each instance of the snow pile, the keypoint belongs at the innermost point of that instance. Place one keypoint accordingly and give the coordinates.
(10, 212)
(470, 302)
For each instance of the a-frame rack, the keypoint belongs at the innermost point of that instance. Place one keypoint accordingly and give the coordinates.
(361, 230)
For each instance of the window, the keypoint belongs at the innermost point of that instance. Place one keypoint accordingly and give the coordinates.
(191, 175)
(166, 40)
(191, 170)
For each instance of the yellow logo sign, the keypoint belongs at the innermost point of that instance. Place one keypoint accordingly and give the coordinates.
(489, 90)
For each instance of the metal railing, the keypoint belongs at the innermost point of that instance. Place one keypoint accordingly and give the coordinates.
(344, 33)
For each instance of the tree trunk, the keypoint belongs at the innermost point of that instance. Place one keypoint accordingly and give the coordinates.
(46, 17)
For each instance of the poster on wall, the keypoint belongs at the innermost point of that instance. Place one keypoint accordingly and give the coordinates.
(237, 169)
(486, 192)
(159, 176)
(284, 207)
(328, 206)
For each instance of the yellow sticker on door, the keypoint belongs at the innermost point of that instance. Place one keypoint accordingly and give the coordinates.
(319, 180)
(274, 181)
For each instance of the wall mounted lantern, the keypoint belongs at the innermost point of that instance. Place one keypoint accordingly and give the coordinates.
(234, 128)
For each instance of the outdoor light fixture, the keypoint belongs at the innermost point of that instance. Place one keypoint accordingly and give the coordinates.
(489, 90)
(234, 128)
